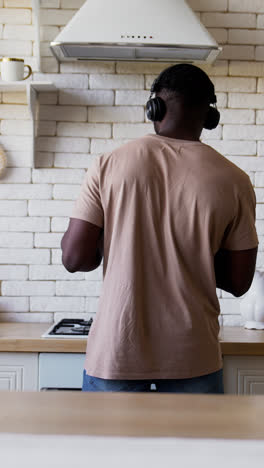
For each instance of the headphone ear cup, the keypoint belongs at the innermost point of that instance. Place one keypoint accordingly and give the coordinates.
(155, 109)
(212, 118)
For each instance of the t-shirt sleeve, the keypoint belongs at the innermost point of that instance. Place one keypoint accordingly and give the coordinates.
(241, 233)
(88, 205)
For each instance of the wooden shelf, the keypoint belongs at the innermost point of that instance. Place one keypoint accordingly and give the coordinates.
(32, 88)
(20, 86)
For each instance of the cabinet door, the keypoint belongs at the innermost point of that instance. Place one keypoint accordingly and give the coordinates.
(244, 375)
(19, 371)
(61, 371)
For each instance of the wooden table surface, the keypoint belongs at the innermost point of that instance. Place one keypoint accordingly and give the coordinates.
(26, 337)
(133, 414)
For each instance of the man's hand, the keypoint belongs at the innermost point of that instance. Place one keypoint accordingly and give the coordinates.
(82, 246)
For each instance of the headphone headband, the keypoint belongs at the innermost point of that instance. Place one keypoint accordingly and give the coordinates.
(153, 86)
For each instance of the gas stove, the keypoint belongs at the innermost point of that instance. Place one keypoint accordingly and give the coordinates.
(69, 328)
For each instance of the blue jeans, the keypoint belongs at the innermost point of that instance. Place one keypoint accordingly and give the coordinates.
(211, 383)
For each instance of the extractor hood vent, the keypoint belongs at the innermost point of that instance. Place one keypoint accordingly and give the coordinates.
(138, 30)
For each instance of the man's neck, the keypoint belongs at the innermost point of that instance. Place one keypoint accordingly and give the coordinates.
(179, 132)
(179, 135)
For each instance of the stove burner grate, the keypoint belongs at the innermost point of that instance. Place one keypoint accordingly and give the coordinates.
(71, 327)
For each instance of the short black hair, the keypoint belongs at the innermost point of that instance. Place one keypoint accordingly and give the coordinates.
(188, 81)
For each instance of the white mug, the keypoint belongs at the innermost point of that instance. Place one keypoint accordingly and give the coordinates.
(12, 69)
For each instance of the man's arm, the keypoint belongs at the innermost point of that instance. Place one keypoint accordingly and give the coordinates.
(82, 246)
(234, 270)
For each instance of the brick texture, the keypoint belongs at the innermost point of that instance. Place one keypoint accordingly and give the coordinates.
(99, 106)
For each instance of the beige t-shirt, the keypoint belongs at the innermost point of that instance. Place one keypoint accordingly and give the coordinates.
(166, 206)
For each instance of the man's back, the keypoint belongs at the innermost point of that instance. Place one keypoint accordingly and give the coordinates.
(167, 206)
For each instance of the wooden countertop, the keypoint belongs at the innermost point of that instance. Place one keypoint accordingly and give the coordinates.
(133, 414)
(26, 337)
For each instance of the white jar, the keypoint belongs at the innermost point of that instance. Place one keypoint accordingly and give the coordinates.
(252, 304)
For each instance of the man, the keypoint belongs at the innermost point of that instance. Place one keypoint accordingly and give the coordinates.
(176, 220)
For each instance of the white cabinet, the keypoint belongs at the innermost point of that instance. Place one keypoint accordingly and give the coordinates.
(61, 371)
(19, 371)
(244, 375)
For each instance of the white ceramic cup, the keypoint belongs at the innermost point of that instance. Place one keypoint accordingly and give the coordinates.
(12, 69)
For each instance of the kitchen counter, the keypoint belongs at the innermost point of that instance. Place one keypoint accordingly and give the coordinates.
(132, 414)
(26, 337)
(130, 429)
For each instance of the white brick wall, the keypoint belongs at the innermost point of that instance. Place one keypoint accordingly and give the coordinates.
(246, 101)
(99, 106)
(51, 272)
(78, 288)
(26, 224)
(28, 288)
(84, 130)
(17, 3)
(13, 272)
(16, 240)
(237, 116)
(58, 176)
(14, 97)
(105, 146)
(18, 48)
(117, 81)
(243, 5)
(66, 192)
(238, 52)
(116, 114)
(208, 5)
(17, 31)
(234, 147)
(259, 53)
(10, 127)
(15, 16)
(238, 68)
(242, 85)
(243, 132)
(16, 143)
(47, 240)
(260, 21)
(57, 304)
(87, 97)
(64, 80)
(64, 113)
(229, 20)
(13, 112)
(56, 257)
(242, 36)
(50, 3)
(14, 304)
(25, 191)
(68, 160)
(67, 145)
(50, 208)
(60, 224)
(25, 256)
(131, 98)
(131, 130)
(13, 208)
(55, 17)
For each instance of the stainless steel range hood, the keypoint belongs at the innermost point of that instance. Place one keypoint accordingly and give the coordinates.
(137, 30)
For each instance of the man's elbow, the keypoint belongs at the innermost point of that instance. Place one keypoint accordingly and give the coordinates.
(239, 290)
(69, 263)
(74, 263)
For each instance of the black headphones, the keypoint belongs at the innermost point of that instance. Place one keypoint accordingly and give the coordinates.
(156, 108)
